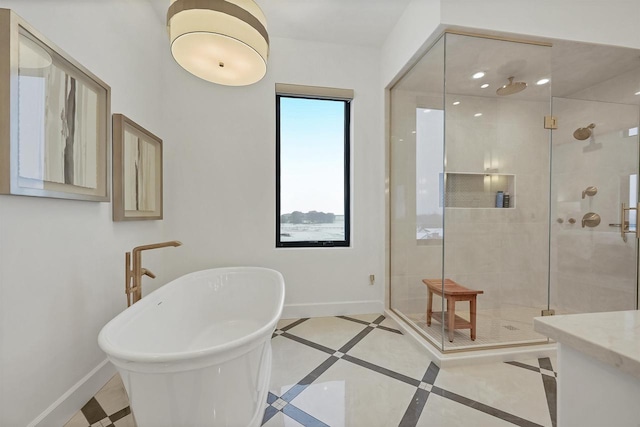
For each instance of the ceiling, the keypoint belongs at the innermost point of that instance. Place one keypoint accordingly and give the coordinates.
(577, 70)
(356, 22)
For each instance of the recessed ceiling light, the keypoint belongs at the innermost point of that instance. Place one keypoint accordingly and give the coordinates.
(456, 103)
(413, 131)
(478, 75)
(637, 93)
(477, 114)
(542, 82)
(484, 86)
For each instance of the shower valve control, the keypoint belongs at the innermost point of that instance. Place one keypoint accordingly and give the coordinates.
(589, 191)
(590, 219)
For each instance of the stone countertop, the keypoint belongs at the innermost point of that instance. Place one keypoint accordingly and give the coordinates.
(613, 337)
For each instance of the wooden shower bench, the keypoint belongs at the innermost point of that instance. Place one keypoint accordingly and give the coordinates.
(453, 292)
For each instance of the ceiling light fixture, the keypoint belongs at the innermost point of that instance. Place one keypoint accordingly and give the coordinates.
(484, 86)
(542, 82)
(456, 103)
(224, 42)
(477, 114)
(637, 93)
(478, 75)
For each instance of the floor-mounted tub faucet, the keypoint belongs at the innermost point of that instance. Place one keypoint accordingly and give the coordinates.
(133, 276)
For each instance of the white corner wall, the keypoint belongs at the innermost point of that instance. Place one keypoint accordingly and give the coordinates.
(613, 22)
(220, 178)
(415, 30)
(62, 261)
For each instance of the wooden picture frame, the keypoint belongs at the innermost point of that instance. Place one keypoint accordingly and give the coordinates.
(137, 171)
(54, 119)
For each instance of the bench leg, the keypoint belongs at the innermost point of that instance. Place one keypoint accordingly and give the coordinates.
(472, 310)
(429, 308)
(451, 312)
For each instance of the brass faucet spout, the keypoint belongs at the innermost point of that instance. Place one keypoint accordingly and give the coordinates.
(173, 243)
(133, 274)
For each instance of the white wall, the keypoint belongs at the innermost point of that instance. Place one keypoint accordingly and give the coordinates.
(61, 261)
(220, 177)
(61, 264)
(613, 22)
(416, 29)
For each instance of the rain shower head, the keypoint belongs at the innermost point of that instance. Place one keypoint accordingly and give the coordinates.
(583, 133)
(511, 88)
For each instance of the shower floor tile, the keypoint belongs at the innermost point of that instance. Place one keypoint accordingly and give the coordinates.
(357, 371)
(507, 326)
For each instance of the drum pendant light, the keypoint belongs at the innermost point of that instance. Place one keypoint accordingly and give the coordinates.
(221, 41)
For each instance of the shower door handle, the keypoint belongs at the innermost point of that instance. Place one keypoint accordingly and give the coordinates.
(624, 224)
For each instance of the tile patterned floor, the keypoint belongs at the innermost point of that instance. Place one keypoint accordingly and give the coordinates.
(361, 371)
(108, 408)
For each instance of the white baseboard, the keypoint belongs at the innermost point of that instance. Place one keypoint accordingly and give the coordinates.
(474, 357)
(296, 311)
(70, 402)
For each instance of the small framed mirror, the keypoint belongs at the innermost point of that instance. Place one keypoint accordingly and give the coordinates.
(137, 172)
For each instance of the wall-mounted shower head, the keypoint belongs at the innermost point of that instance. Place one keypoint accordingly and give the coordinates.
(583, 133)
(511, 88)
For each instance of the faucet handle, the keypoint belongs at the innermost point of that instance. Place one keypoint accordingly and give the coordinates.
(146, 272)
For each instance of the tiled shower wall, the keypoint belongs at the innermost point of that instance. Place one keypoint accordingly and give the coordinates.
(592, 269)
(504, 252)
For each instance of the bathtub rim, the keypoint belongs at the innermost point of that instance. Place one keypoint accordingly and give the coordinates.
(127, 359)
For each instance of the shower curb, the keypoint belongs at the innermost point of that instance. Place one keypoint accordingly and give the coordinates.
(475, 357)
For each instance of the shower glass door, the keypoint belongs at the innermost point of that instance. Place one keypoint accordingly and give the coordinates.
(595, 172)
(497, 157)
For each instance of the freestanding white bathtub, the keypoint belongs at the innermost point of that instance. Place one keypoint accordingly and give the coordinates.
(197, 352)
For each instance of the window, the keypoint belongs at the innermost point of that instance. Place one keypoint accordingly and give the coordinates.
(312, 166)
(429, 177)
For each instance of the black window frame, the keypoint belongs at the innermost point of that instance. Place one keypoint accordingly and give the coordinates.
(347, 177)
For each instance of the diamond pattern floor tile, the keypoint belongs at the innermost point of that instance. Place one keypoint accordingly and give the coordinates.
(355, 371)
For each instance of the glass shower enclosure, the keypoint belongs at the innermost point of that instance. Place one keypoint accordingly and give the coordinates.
(494, 219)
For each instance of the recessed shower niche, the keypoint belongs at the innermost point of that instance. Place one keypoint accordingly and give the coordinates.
(468, 122)
(479, 190)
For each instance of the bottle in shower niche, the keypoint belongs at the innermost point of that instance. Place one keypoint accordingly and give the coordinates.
(499, 199)
(506, 200)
